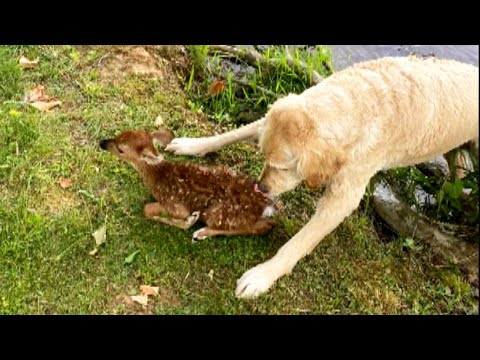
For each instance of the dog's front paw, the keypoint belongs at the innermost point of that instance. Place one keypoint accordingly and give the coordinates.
(189, 146)
(257, 280)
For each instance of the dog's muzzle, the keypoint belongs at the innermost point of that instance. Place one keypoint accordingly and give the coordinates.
(261, 189)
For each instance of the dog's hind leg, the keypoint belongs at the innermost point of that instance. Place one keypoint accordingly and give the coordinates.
(459, 160)
(178, 217)
(260, 227)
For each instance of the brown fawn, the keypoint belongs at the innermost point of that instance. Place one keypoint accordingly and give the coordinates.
(228, 203)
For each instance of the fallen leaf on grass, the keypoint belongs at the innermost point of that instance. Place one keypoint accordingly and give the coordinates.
(210, 274)
(124, 298)
(100, 236)
(149, 290)
(159, 121)
(64, 182)
(46, 106)
(146, 291)
(141, 299)
(26, 63)
(129, 259)
(39, 99)
(37, 94)
(217, 87)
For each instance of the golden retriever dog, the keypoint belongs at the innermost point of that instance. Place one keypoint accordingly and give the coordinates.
(376, 115)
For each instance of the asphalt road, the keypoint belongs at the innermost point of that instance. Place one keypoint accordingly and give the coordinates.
(346, 55)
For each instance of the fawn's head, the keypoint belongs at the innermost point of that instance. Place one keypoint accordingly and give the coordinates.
(138, 146)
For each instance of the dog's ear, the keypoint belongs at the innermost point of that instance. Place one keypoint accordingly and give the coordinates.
(312, 173)
(162, 137)
(318, 169)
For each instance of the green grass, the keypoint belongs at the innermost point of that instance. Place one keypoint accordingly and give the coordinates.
(45, 231)
(238, 105)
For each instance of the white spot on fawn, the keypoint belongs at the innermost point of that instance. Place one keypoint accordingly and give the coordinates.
(269, 211)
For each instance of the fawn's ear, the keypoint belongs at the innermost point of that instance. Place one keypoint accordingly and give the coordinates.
(150, 157)
(162, 137)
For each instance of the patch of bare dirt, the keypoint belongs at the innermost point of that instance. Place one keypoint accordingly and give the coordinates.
(134, 60)
(56, 200)
(150, 61)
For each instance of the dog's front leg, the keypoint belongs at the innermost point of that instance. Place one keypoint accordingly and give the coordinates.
(205, 145)
(341, 198)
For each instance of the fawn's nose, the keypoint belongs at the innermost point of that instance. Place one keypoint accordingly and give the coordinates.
(103, 144)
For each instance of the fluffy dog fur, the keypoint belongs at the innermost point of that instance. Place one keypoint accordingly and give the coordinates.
(229, 204)
(375, 115)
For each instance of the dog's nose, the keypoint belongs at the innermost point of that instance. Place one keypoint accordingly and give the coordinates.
(103, 144)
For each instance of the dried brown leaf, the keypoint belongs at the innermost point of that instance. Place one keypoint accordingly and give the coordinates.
(159, 121)
(37, 94)
(141, 299)
(124, 299)
(26, 63)
(217, 87)
(46, 106)
(39, 99)
(100, 235)
(149, 290)
(64, 182)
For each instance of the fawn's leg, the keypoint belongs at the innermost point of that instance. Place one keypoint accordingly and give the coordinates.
(177, 216)
(260, 227)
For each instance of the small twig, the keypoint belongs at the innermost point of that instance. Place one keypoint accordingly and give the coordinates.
(102, 59)
(245, 83)
(261, 88)
(316, 78)
(254, 58)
